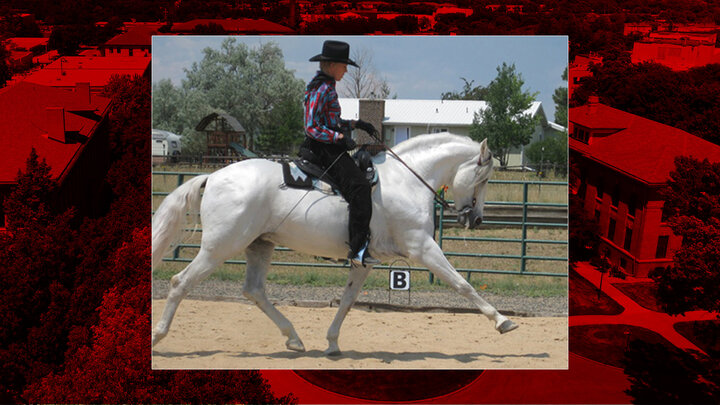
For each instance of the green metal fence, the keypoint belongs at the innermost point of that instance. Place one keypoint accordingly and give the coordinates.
(442, 221)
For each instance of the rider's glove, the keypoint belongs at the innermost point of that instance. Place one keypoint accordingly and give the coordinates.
(365, 126)
(348, 142)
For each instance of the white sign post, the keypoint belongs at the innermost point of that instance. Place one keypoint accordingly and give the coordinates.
(400, 280)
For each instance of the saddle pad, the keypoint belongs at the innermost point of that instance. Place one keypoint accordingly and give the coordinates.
(294, 177)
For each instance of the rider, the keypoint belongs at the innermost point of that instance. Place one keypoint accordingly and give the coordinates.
(328, 139)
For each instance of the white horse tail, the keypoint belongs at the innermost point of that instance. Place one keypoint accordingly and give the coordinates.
(173, 214)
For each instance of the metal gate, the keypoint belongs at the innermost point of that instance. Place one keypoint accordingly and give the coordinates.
(522, 215)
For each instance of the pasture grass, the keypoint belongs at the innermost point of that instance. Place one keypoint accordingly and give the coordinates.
(521, 285)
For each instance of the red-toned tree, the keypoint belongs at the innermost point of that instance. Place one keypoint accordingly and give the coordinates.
(693, 206)
(115, 366)
(38, 253)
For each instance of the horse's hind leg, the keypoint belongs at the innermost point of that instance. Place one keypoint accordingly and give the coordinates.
(430, 254)
(357, 277)
(258, 264)
(180, 284)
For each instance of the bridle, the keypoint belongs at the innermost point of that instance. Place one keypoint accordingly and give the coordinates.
(465, 211)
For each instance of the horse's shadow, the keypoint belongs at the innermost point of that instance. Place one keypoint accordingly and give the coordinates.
(384, 356)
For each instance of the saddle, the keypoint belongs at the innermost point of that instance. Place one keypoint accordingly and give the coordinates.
(304, 174)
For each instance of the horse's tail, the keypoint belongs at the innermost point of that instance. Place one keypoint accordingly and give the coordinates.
(172, 215)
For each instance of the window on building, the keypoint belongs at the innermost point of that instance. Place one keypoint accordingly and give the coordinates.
(616, 195)
(580, 134)
(632, 204)
(600, 189)
(2, 212)
(661, 251)
(611, 230)
(628, 239)
(582, 189)
(597, 215)
(623, 263)
(665, 213)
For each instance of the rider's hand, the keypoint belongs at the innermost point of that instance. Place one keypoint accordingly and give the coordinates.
(348, 142)
(365, 126)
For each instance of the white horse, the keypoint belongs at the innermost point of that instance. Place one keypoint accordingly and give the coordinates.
(244, 208)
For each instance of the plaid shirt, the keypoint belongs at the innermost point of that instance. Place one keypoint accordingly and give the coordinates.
(322, 113)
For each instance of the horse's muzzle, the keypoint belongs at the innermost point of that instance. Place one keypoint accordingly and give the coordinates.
(467, 217)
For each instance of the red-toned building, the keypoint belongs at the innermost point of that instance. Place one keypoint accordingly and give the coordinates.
(136, 41)
(624, 162)
(67, 128)
(66, 71)
(579, 69)
(677, 50)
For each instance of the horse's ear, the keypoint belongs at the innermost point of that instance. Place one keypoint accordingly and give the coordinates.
(483, 151)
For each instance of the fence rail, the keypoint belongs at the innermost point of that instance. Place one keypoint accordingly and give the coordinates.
(516, 214)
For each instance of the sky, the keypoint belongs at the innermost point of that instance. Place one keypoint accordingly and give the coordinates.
(415, 67)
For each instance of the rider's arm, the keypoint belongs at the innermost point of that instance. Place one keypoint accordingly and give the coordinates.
(322, 115)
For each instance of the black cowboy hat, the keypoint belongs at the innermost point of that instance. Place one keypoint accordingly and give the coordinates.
(335, 51)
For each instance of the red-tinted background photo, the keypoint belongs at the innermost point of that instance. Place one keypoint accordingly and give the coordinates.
(644, 91)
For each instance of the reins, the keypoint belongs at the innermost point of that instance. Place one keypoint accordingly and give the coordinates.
(440, 200)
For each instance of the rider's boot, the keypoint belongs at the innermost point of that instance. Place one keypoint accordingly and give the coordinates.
(363, 258)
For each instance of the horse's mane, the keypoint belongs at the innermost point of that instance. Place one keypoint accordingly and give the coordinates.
(429, 141)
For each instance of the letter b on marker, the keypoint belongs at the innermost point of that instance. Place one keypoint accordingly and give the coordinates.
(399, 280)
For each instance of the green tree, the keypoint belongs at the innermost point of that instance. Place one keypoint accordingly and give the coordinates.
(504, 122)
(249, 84)
(561, 102)
(551, 151)
(468, 92)
(167, 105)
(284, 129)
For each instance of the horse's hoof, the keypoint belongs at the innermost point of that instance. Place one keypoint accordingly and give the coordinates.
(156, 337)
(333, 352)
(295, 345)
(507, 326)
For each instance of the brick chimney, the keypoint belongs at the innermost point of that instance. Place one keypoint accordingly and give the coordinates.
(372, 111)
(55, 125)
(592, 103)
(83, 89)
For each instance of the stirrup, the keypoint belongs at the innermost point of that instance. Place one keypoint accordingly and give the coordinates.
(363, 258)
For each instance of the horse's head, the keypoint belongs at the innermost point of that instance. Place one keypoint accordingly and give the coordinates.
(469, 187)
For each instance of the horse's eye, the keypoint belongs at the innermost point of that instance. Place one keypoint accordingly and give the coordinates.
(474, 201)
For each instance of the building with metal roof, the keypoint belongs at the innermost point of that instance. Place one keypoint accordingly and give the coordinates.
(405, 118)
(67, 71)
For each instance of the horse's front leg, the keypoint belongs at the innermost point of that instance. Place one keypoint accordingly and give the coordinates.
(429, 253)
(352, 290)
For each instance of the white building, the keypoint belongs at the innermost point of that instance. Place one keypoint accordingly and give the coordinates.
(403, 119)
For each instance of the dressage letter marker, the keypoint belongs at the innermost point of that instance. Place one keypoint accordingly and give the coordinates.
(399, 280)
